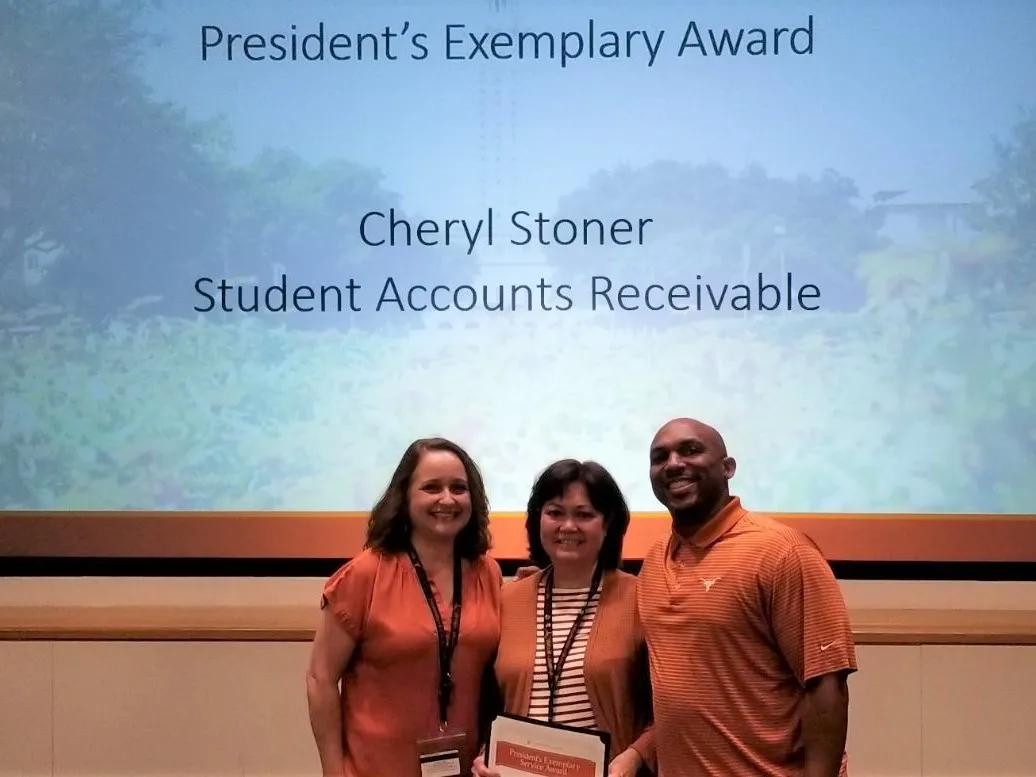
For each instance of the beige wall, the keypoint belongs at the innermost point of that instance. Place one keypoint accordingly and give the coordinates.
(92, 705)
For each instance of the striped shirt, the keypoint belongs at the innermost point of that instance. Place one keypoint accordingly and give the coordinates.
(738, 619)
(571, 704)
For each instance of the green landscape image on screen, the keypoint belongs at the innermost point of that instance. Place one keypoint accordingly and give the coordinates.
(830, 253)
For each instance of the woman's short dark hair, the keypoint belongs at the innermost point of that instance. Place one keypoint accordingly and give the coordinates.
(388, 527)
(605, 496)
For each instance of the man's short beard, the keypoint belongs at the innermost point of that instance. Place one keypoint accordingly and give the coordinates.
(691, 516)
(707, 504)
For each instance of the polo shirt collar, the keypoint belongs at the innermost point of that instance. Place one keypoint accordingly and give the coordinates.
(713, 529)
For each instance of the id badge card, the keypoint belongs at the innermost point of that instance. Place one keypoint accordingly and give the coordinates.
(443, 755)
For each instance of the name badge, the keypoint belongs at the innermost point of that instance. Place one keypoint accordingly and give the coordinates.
(441, 756)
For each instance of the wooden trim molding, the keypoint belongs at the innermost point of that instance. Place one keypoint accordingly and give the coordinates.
(294, 623)
(298, 535)
(944, 627)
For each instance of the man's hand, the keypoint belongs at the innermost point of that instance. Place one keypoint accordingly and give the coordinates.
(625, 764)
(526, 571)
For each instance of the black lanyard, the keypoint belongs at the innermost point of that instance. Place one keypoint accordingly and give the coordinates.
(446, 646)
(554, 669)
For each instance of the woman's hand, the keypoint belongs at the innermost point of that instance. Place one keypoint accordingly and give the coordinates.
(625, 764)
(479, 768)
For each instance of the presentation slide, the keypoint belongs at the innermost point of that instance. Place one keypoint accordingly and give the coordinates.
(250, 251)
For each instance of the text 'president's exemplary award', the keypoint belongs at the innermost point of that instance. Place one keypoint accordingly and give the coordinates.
(519, 747)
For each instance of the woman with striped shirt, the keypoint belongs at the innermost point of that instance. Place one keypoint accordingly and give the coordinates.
(571, 649)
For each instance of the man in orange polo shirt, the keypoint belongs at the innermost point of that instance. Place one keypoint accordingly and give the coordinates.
(748, 634)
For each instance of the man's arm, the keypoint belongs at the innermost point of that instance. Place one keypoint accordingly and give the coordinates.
(825, 723)
(811, 625)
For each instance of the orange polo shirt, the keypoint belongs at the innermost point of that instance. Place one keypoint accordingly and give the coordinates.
(737, 620)
(390, 689)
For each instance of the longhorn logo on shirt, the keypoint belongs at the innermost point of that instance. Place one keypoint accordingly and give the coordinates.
(708, 582)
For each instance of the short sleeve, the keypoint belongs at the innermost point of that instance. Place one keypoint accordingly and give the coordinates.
(493, 571)
(347, 593)
(492, 582)
(808, 615)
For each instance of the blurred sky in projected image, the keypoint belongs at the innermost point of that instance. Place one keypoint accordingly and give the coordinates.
(869, 171)
(893, 91)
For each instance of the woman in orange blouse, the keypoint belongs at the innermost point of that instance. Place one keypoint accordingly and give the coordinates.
(572, 651)
(410, 678)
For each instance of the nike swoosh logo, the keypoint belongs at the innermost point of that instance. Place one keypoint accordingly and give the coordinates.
(825, 647)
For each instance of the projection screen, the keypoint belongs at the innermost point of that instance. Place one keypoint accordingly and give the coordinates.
(250, 251)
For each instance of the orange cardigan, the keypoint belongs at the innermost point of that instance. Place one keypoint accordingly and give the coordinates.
(615, 666)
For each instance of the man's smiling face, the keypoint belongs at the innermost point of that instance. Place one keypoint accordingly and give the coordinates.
(689, 469)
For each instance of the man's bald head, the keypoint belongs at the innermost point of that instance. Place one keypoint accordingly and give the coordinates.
(689, 469)
(691, 427)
